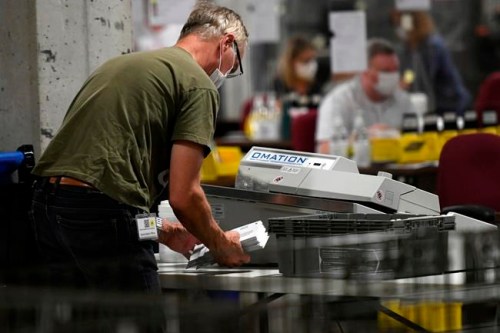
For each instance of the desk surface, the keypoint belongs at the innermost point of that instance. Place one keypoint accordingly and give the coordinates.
(402, 169)
(421, 175)
(439, 288)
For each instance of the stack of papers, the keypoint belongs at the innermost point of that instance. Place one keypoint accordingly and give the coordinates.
(253, 236)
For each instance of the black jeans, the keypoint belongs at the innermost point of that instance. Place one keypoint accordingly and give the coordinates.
(89, 241)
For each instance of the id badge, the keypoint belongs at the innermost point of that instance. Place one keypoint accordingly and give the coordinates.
(146, 226)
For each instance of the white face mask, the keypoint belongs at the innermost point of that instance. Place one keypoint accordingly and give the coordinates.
(387, 83)
(306, 71)
(217, 76)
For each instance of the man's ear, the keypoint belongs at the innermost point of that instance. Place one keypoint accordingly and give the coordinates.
(229, 40)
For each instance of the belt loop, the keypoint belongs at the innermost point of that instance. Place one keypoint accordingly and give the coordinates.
(56, 184)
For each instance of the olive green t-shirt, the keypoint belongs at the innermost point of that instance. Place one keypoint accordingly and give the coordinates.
(118, 132)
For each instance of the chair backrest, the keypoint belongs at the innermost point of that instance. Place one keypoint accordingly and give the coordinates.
(303, 131)
(488, 97)
(246, 108)
(469, 171)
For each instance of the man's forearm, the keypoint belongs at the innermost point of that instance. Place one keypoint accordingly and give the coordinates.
(196, 216)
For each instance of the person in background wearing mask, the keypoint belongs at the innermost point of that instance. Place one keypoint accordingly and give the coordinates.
(375, 95)
(295, 83)
(427, 65)
(297, 68)
(142, 123)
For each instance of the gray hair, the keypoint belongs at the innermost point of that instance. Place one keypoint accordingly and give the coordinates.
(208, 20)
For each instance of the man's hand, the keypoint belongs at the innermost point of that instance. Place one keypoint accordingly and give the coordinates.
(229, 252)
(177, 238)
(381, 130)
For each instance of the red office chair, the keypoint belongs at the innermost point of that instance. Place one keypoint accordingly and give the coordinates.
(469, 174)
(246, 108)
(303, 131)
(488, 97)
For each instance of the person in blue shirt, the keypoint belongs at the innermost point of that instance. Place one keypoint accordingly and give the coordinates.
(427, 65)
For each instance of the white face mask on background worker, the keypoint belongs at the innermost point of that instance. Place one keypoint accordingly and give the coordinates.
(387, 83)
(217, 76)
(306, 70)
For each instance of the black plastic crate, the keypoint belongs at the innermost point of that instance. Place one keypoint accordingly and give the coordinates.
(364, 246)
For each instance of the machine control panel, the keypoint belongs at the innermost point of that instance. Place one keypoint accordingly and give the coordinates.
(290, 160)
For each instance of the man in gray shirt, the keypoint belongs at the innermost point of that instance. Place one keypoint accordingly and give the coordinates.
(373, 96)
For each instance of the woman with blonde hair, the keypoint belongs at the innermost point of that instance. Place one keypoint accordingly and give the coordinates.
(297, 68)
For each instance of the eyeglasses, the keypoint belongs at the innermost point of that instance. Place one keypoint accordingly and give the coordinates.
(239, 70)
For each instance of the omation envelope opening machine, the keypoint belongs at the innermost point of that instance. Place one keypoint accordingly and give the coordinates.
(330, 177)
(275, 183)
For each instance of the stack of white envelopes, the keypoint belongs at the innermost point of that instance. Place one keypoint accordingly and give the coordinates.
(253, 236)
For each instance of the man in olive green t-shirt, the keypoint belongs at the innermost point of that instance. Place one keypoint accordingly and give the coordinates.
(140, 121)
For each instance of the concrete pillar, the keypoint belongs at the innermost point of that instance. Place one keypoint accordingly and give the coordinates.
(49, 48)
(18, 73)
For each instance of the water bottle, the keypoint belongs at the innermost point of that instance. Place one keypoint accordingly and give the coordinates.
(257, 129)
(339, 143)
(361, 143)
(273, 117)
(166, 254)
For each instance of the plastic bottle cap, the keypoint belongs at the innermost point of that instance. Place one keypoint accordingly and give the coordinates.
(384, 174)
